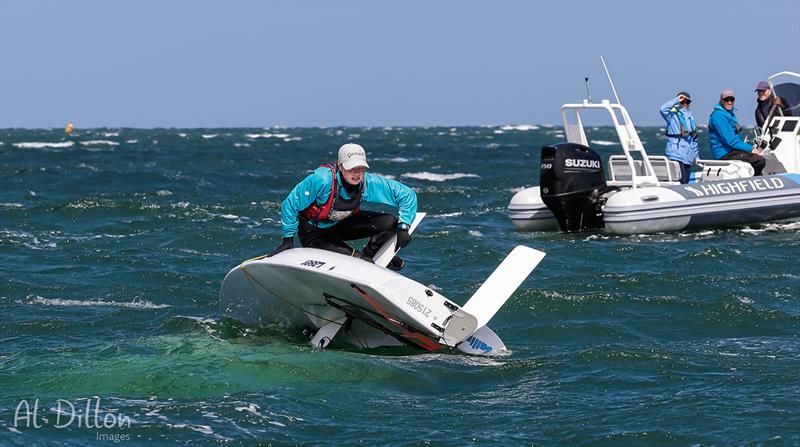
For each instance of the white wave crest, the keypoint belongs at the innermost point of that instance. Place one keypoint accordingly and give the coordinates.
(267, 135)
(210, 136)
(96, 142)
(522, 127)
(431, 176)
(398, 159)
(604, 142)
(85, 166)
(782, 226)
(40, 145)
(135, 304)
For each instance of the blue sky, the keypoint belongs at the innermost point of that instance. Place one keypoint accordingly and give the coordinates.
(250, 63)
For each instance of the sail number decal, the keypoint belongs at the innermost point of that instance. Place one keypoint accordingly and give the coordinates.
(419, 307)
(312, 263)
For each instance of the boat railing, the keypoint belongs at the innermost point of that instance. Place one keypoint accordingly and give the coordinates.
(667, 171)
(641, 171)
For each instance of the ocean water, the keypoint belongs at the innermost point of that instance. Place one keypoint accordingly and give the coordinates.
(114, 242)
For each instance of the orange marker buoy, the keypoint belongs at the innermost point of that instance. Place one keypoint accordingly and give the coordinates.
(69, 128)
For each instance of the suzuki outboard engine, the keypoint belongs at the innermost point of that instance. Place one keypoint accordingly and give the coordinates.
(573, 185)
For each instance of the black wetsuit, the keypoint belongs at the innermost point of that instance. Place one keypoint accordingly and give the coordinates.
(378, 227)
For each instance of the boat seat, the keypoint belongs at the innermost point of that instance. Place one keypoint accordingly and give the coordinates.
(725, 169)
(666, 170)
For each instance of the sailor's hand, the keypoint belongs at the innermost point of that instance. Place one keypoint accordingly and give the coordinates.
(681, 98)
(403, 238)
(756, 150)
(288, 242)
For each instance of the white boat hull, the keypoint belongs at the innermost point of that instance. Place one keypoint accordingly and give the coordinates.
(309, 288)
(708, 204)
(715, 203)
(528, 212)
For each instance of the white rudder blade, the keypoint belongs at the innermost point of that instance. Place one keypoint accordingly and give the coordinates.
(505, 279)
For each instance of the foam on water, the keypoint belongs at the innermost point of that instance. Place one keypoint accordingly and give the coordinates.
(99, 142)
(520, 127)
(604, 143)
(41, 145)
(135, 304)
(267, 135)
(434, 177)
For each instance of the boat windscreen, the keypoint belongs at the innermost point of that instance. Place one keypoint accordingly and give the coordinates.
(790, 93)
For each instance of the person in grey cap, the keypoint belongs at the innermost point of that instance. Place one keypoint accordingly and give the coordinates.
(723, 134)
(681, 133)
(765, 102)
(324, 209)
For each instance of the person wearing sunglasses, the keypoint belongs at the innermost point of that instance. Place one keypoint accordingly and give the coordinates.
(681, 133)
(765, 101)
(723, 134)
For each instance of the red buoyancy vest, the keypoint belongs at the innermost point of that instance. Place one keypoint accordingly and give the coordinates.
(323, 213)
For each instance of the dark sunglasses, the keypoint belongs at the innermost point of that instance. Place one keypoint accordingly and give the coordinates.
(729, 99)
(686, 101)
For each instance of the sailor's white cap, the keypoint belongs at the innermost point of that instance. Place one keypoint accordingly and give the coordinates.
(352, 155)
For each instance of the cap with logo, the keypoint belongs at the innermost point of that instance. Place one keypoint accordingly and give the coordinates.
(352, 155)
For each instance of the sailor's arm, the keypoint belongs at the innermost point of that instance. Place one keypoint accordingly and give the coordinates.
(667, 107)
(391, 192)
(300, 198)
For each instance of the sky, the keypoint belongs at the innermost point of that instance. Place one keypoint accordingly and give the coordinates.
(418, 63)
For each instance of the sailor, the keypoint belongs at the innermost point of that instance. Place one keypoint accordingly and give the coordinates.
(765, 101)
(723, 134)
(324, 209)
(681, 133)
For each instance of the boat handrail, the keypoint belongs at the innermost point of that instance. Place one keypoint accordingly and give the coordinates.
(626, 132)
(783, 73)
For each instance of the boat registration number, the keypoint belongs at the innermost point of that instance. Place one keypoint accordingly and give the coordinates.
(419, 307)
(313, 263)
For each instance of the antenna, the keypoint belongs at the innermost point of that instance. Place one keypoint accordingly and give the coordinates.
(609, 80)
(586, 80)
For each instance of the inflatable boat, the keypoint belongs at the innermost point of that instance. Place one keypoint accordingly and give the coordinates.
(643, 193)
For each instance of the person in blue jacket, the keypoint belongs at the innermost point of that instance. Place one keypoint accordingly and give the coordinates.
(723, 134)
(681, 133)
(324, 209)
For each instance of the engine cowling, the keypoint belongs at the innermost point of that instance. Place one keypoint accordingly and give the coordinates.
(572, 185)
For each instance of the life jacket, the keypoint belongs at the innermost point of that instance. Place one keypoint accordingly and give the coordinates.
(687, 130)
(337, 207)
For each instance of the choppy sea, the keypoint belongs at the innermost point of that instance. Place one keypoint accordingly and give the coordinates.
(114, 242)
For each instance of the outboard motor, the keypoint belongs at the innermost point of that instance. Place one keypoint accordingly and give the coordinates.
(573, 185)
